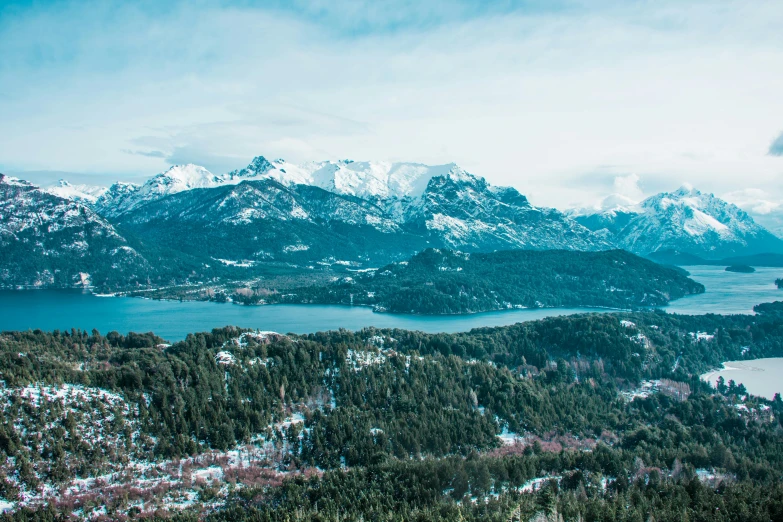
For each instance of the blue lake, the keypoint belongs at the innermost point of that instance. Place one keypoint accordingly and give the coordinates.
(761, 377)
(727, 292)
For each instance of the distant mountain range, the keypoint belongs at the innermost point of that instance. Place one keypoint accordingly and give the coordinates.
(346, 210)
(363, 213)
(685, 221)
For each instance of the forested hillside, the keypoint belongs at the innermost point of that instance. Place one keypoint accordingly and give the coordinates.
(448, 282)
(591, 417)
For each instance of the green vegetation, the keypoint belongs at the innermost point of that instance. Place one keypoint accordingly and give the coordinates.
(742, 269)
(399, 425)
(449, 282)
(770, 309)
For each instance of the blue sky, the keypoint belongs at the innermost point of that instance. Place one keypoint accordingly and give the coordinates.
(565, 100)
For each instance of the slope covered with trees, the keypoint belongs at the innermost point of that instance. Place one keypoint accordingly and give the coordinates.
(234, 424)
(448, 282)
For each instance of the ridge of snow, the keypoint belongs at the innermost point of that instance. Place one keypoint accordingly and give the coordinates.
(395, 185)
(182, 177)
(698, 213)
(609, 205)
(685, 219)
(365, 179)
(14, 182)
(82, 192)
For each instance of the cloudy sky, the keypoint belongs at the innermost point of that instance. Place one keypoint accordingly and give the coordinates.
(566, 100)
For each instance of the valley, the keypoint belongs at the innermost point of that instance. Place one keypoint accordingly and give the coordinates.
(351, 261)
(444, 407)
(725, 293)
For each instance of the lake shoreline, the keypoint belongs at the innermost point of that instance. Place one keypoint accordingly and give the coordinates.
(374, 308)
(20, 310)
(759, 376)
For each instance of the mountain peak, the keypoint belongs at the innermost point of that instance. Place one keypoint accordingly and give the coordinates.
(182, 177)
(186, 169)
(261, 164)
(457, 173)
(610, 205)
(686, 189)
(367, 179)
(15, 182)
(83, 193)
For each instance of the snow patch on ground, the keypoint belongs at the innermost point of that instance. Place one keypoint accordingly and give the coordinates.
(359, 360)
(701, 336)
(295, 248)
(225, 358)
(240, 264)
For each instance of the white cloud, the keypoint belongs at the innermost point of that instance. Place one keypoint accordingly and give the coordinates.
(754, 200)
(763, 205)
(628, 186)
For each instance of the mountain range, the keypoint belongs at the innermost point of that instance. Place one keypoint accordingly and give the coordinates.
(686, 221)
(360, 213)
(343, 209)
(47, 240)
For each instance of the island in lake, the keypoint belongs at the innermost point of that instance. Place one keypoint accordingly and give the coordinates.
(742, 269)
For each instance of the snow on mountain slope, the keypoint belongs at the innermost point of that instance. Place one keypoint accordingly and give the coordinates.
(118, 199)
(464, 211)
(181, 177)
(87, 194)
(122, 197)
(761, 205)
(611, 204)
(453, 206)
(365, 179)
(443, 204)
(48, 240)
(687, 221)
(264, 219)
(389, 184)
(24, 206)
(608, 216)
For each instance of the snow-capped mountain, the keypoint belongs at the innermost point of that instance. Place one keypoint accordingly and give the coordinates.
(410, 205)
(382, 210)
(47, 240)
(608, 216)
(611, 204)
(262, 219)
(364, 179)
(686, 221)
(122, 197)
(87, 194)
(465, 212)
(390, 185)
(118, 199)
